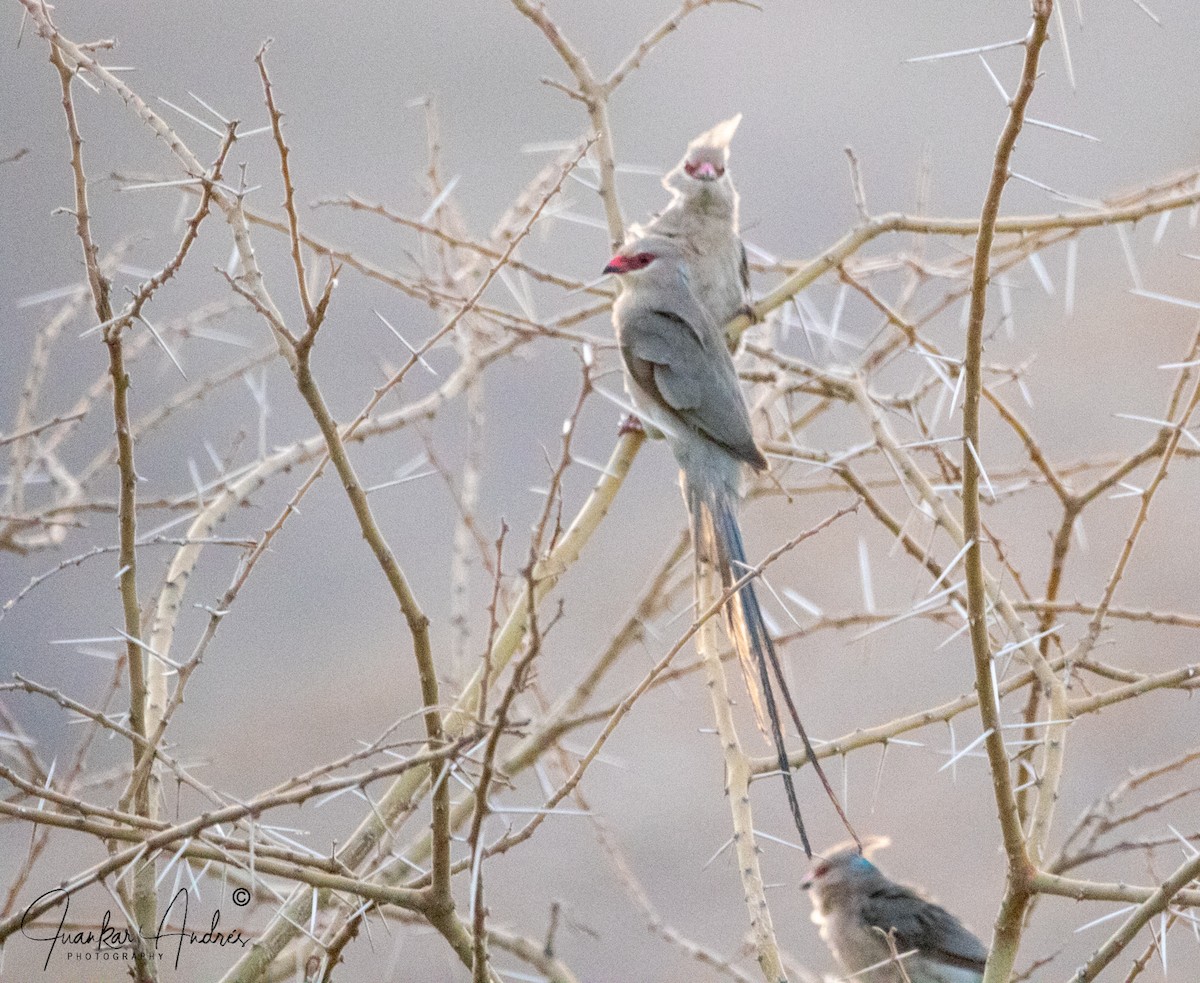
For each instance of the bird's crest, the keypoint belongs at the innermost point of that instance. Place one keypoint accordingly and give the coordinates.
(720, 135)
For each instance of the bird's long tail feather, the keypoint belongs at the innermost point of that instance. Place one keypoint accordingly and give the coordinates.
(716, 533)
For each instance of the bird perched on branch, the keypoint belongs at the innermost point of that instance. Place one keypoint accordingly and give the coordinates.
(703, 216)
(681, 377)
(857, 907)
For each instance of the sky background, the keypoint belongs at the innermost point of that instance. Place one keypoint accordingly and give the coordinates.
(315, 657)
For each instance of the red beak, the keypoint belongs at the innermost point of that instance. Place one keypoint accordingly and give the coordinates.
(706, 171)
(616, 265)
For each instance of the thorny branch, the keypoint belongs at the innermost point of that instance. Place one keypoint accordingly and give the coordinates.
(483, 739)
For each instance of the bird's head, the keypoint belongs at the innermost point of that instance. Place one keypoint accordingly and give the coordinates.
(707, 156)
(629, 262)
(843, 868)
(706, 163)
(648, 257)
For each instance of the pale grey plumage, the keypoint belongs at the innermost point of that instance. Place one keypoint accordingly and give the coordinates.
(703, 216)
(854, 904)
(678, 370)
(683, 382)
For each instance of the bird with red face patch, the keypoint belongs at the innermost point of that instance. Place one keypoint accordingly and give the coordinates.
(703, 216)
(857, 906)
(681, 377)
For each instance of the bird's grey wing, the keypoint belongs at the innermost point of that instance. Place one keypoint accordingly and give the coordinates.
(921, 924)
(690, 375)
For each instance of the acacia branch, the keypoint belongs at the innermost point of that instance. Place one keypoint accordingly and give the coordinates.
(1170, 891)
(1007, 935)
(595, 97)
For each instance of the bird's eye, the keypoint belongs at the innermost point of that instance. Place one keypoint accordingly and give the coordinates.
(821, 870)
(643, 259)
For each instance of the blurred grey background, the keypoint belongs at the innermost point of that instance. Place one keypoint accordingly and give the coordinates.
(314, 655)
